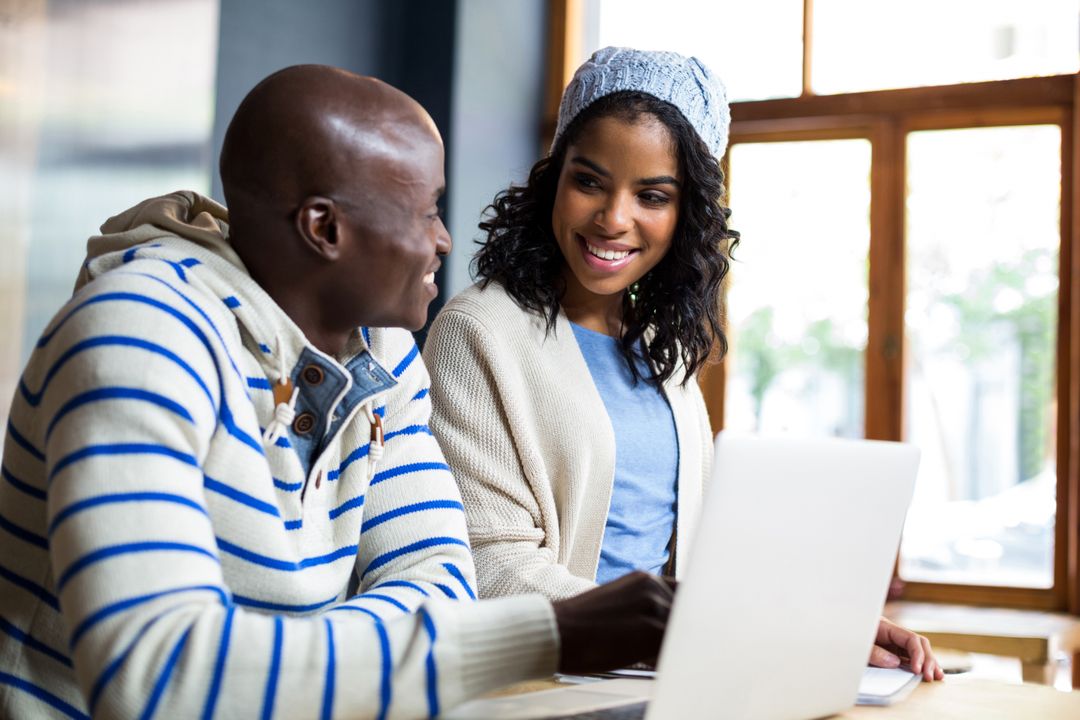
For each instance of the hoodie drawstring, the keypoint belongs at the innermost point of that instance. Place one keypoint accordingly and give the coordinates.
(285, 395)
(375, 450)
(284, 400)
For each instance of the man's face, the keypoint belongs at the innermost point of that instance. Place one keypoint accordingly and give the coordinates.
(395, 237)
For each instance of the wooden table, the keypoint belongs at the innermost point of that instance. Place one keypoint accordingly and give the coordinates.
(1033, 637)
(963, 698)
(958, 697)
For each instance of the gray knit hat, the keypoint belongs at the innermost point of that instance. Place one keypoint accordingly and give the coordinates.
(684, 82)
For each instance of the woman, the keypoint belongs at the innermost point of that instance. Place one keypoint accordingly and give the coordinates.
(563, 383)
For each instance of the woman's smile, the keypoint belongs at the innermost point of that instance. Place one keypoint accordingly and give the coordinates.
(606, 258)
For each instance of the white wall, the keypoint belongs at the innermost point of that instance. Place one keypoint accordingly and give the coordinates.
(496, 114)
(258, 38)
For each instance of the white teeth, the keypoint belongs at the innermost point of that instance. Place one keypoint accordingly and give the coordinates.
(429, 278)
(606, 254)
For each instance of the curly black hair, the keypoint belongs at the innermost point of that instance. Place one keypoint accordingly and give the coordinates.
(675, 308)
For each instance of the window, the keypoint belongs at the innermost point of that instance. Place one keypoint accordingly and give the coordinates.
(928, 193)
(798, 366)
(762, 49)
(927, 42)
(983, 230)
(89, 133)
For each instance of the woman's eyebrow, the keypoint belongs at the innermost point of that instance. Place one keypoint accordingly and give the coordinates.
(591, 165)
(658, 180)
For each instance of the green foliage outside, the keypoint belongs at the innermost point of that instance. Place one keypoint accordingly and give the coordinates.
(763, 356)
(1032, 322)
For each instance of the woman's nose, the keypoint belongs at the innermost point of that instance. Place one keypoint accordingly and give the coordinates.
(616, 215)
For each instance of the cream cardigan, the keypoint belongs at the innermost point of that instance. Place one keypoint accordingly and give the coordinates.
(530, 443)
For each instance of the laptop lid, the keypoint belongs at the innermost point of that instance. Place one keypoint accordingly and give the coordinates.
(786, 578)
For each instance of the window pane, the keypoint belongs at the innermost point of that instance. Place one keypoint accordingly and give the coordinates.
(107, 103)
(982, 238)
(755, 47)
(798, 289)
(859, 45)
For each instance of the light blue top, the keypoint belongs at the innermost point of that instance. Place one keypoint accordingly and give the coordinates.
(642, 512)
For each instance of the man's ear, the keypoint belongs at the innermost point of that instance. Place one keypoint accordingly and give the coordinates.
(317, 222)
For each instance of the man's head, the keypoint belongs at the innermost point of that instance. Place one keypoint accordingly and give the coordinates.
(332, 181)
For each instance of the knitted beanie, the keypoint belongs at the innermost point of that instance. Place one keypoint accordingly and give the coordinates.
(684, 82)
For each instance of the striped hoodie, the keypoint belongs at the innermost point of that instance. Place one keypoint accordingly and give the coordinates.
(158, 558)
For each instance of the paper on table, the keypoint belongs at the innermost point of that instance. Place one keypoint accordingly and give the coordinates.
(879, 686)
(885, 686)
(631, 673)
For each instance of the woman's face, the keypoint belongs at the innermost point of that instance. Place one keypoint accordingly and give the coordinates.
(616, 205)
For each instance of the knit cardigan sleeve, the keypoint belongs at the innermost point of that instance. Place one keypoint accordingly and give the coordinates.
(134, 407)
(481, 417)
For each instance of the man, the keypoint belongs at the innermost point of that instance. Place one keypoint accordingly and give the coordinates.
(220, 493)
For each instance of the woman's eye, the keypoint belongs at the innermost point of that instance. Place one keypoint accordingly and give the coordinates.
(653, 198)
(586, 181)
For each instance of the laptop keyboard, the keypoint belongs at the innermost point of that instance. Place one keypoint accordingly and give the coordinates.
(622, 712)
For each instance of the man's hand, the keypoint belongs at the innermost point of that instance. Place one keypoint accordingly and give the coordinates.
(614, 625)
(895, 645)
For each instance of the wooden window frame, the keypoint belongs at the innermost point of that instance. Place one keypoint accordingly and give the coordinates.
(885, 117)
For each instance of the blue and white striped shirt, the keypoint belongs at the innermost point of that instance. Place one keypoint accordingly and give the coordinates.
(157, 559)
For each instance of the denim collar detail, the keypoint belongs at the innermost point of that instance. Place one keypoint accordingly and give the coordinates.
(369, 378)
(328, 396)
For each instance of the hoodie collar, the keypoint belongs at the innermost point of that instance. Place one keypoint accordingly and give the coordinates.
(186, 230)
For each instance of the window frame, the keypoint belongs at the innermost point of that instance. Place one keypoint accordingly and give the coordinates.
(885, 117)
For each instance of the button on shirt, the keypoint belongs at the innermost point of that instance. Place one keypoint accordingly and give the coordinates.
(326, 399)
(642, 511)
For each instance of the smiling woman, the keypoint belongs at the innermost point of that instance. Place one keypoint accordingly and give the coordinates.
(629, 173)
(564, 383)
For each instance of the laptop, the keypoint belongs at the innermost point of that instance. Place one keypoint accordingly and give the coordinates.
(785, 581)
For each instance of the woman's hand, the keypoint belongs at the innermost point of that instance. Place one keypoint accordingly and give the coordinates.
(895, 645)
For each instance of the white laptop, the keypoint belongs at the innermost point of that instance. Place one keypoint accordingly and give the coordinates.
(785, 582)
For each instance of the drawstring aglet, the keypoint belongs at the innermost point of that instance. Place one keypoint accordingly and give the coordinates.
(375, 449)
(284, 410)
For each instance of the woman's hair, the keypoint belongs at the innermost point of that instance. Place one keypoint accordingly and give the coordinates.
(678, 300)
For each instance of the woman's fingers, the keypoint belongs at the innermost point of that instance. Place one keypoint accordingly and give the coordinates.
(932, 669)
(880, 657)
(916, 652)
(919, 653)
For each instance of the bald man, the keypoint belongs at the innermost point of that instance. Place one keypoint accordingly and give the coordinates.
(220, 493)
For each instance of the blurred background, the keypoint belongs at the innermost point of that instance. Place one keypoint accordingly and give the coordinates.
(901, 174)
